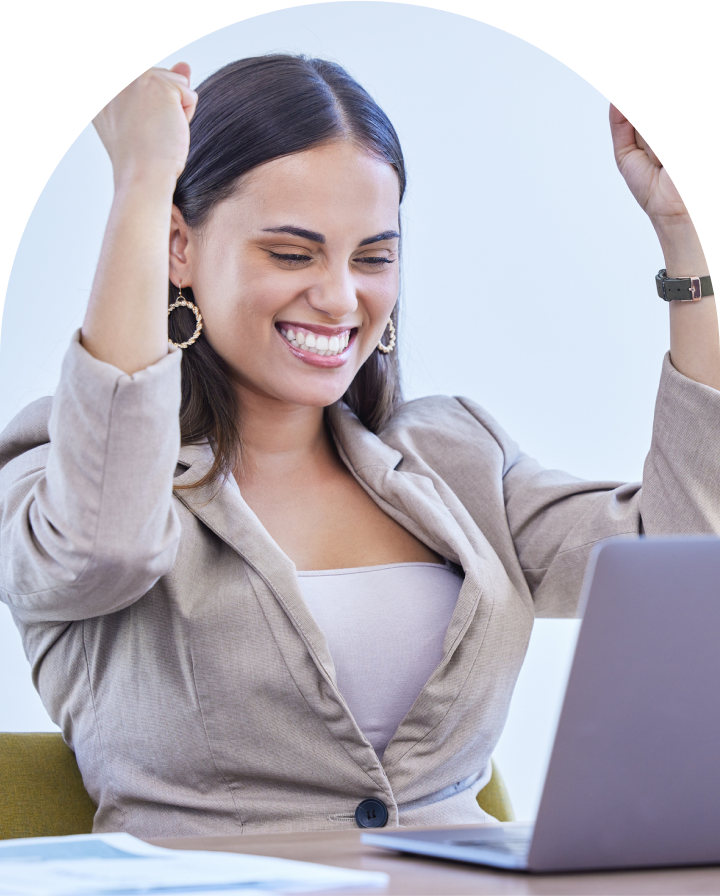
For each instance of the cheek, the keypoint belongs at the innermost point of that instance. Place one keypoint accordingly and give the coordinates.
(222, 316)
(242, 302)
(381, 295)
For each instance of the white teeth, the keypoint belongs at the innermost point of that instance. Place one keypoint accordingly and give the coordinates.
(318, 344)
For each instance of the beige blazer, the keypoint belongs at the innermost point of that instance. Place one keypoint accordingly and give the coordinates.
(169, 640)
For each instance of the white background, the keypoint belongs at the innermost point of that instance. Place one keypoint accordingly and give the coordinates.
(528, 268)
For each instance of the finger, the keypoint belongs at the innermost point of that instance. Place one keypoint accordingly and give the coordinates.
(623, 134)
(174, 77)
(182, 68)
(654, 154)
(190, 106)
(179, 81)
(189, 114)
(178, 74)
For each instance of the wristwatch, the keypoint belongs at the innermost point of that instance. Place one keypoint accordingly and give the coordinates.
(682, 289)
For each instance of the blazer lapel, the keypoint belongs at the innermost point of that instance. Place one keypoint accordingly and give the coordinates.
(222, 509)
(410, 493)
(413, 501)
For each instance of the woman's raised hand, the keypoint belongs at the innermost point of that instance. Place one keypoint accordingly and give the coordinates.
(145, 128)
(644, 174)
(694, 333)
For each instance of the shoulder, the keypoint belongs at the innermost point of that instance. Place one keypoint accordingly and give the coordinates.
(439, 425)
(26, 431)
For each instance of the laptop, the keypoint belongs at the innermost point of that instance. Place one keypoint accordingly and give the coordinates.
(634, 775)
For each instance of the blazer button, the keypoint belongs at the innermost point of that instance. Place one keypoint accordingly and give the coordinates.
(371, 814)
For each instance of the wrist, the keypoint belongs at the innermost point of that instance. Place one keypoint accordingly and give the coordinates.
(154, 183)
(680, 246)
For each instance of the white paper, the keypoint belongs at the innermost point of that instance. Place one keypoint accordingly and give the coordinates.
(121, 865)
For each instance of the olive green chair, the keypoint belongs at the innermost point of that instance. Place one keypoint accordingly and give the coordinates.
(42, 793)
(495, 799)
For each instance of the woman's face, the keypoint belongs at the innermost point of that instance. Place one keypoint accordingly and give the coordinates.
(296, 273)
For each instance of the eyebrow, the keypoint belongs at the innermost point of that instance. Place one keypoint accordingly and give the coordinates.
(315, 237)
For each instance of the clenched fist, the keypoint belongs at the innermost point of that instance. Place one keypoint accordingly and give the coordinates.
(145, 128)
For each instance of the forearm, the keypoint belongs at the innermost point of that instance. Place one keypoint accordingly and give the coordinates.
(126, 320)
(694, 334)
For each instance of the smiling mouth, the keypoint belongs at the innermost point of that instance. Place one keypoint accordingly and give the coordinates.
(317, 343)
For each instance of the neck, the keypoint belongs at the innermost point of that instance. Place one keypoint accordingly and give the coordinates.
(280, 439)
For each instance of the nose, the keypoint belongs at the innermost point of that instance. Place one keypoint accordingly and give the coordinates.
(334, 294)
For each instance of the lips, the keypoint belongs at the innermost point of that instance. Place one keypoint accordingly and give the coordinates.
(316, 345)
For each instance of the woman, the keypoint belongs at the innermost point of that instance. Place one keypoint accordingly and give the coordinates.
(306, 605)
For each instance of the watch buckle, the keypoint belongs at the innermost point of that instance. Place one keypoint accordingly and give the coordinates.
(695, 289)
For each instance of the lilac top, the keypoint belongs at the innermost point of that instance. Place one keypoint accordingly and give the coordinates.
(384, 627)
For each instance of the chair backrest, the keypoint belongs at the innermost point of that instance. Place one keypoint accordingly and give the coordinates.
(41, 791)
(495, 799)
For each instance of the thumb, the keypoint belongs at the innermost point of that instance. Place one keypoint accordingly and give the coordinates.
(182, 68)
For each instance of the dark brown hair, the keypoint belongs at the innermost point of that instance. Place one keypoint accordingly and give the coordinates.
(248, 113)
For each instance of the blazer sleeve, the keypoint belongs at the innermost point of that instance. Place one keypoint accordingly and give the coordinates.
(555, 519)
(87, 523)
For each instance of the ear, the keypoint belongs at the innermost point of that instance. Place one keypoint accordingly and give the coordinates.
(180, 267)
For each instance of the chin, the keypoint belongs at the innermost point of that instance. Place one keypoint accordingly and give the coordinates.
(316, 398)
(314, 391)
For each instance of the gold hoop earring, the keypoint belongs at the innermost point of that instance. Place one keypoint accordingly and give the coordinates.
(386, 349)
(183, 302)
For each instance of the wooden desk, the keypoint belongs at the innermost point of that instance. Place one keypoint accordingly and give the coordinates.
(416, 876)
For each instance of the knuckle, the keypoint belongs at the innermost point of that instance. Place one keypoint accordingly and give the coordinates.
(154, 78)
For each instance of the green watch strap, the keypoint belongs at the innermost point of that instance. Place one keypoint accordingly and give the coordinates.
(682, 289)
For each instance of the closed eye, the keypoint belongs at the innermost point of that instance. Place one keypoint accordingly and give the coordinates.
(292, 258)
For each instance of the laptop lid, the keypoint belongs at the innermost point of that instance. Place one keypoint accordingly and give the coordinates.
(634, 775)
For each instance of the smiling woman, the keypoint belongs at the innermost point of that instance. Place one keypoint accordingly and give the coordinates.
(339, 283)
(259, 591)
(249, 164)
